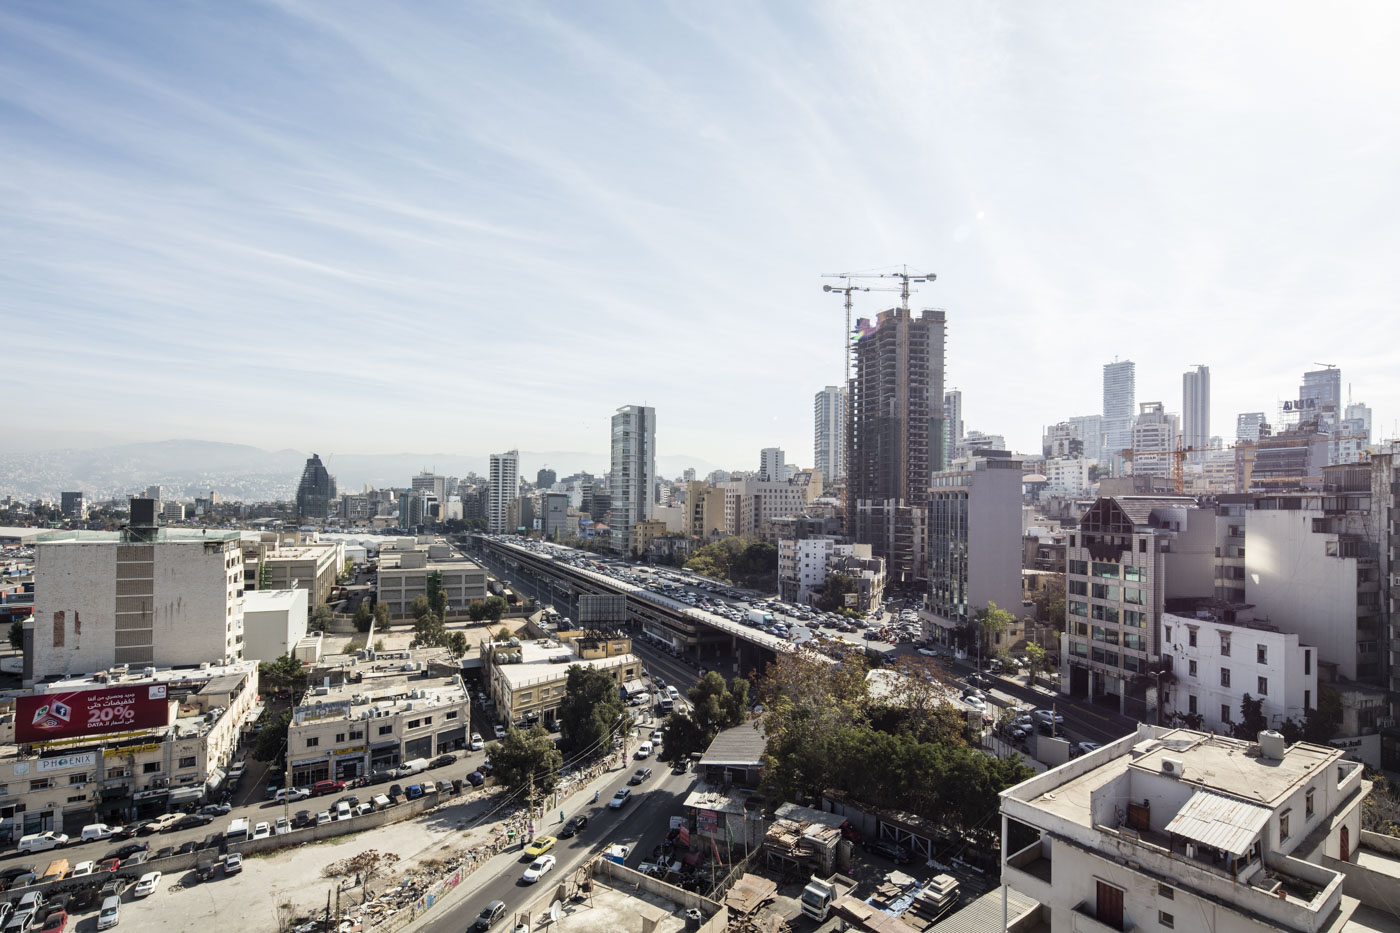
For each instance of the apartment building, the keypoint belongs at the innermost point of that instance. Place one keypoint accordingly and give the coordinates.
(1127, 557)
(288, 559)
(273, 622)
(632, 478)
(1195, 408)
(182, 733)
(1154, 439)
(829, 433)
(751, 505)
(805, 563)
(1090, 430)
(403, 576)
(704, 510)
(1068, 476)
(167, 597)
(1119, 408)
(504, 487)
(1173, 829)
(1220, 653)
(1385, 519)
(1061, 440)
(526, 679)
(362, 719)
(554, 515)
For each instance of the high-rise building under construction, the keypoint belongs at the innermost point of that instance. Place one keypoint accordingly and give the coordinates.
(895, 436)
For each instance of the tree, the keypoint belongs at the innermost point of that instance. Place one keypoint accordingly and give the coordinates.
(476, 610)
(420, 606)
(807, 705)
(381, 616)
(831, 595)
(364, 617)
(525, 754)
(1252, 718)
(429, 631)
(715, 705)
(495, 607)
(1038, 660)
(286, 675)
(992, 622)
(591, 712)
(1320, 723)
(272, 737)
(17, 634)
(321, 618)
(457, 643)
(749, 563)
(433, 587)
(362, 868)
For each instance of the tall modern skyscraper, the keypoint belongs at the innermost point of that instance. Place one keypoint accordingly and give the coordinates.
(1324, 386)
(505, 486)
(633, 474)
(316, 491)
(952, 422)
(896, 439)
(1119, 407)
(771, 467)
(829, 433)
(1090, 428)
(545, 478)
(1195, 408)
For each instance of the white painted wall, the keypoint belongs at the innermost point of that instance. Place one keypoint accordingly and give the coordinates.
(273, 622)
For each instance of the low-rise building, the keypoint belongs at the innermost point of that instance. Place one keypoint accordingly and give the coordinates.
(525, 679)
(1174, 829)
(374, 715)
(805, 563)
(403, 576)
(280, 560)
(273, 622)
(181, 731)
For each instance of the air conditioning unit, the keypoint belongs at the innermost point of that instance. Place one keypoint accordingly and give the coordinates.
(1173, 766)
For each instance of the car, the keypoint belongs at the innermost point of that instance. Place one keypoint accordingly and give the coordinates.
(54, 922)
(323, 818)
(321, 788)
(644, 750)
(215, 809)
(99, 831)
(500, 731)
(896, 853)
(191, 821)
(110, 913)
(656, 736)
(281, 827)
(476, 779)
(974, 692)
(574, 826)
(303, 818)
(128, 850)
(262, 830)
(14, 871)
(540, 846)
(233, 863)
(679, 767)
(1082, 748)
(538, 869)
(620, 798)
(109, 864)
(976, 703)
(443, 760)
(1046, 715)
(146, 884)
(349, 800)
(291, 794)
(639, 776)
(83, 868)
(477, 743)
(136, 858)
(160, 824)
(42, 842)
(979, 680)
(490, 915)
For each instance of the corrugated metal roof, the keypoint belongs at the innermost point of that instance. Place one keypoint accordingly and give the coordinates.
(984, 913)
(1220, 822)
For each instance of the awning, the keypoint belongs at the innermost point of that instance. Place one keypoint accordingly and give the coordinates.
(1219, 822)
(186, 795)
(216, 780)
(634, 686)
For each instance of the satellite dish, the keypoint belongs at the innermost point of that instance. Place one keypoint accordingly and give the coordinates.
(554, 910)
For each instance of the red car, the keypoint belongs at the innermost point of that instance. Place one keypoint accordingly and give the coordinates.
(327, 787)
(55, 922)
(111, 864)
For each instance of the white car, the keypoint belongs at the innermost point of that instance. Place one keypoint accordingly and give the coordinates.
(620, 798)
(500, 731)
(477, 742)
(83, 868)
(282, 827)
(538, 869)
(262, 830)
(147, 885)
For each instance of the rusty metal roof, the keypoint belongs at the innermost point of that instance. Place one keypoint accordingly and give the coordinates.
(1220, 822)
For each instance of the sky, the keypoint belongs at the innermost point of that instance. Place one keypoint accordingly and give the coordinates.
(466, 227)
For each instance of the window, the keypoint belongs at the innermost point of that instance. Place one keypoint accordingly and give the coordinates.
(427, 720)
(1134, 618)
(386, 730)
(451, 715)
(1224, 712)
(1079, 567)
(1308, 804)
(1307, 700)
(1307, 665)
(1261, 654)
(1166, 633)
(1071, 541)
(188, 761)
(1133, 595)
(1191, 704)
(1079, 588)
(1135, 641)
(1134, 574)
(1104, 613)
(1191, 668)
(77, 779)
(78, 799)
(1283, 825)
(1104, 591)
(1142, 545)
(1224, 677)
(1191, 636)
(1263, 686)
(1224, 644)
(356, 734)
(313, 741)
(41, 784)
(414, 723)
(1077, 608)
(151, 767)
(1105, 569)
(340, 738)
(1166, 920)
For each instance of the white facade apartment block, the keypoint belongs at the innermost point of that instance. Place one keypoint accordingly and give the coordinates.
(802, 564)
(1090, 428)
(1217, 663)
(1176, 830)
(1195, 408)
(103, 599)
(750, 504)
(632, 479)
(1061, 440)
(1068, 475)
(1154, 438)
(273, 622)
(771, 465)
(505, 486)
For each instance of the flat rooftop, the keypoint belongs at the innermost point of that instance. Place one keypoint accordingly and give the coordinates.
(388, 689)
(159, 536)
(134, 676)
(547, 662)
(1234, 766)
(269, 600)
(610, 910)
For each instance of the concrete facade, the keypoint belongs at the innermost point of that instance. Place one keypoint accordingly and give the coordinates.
(632, 478)
(829, 432)
(403, 576)
(974, 538)
(526, 680)
(273, 622)
(504, 487)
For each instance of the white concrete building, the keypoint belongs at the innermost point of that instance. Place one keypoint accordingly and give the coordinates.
(1090, 428)
(771, 465)
(1170, 829)
(805, 563)
(109, 598)
(1154, 438)
(1119, 409)
(1061, 441)
(273, 622)
(1221, 653)
(526, 680)
(403, 576)
(1068, 476)
(829, 433)
(751, 504)
(1195, 408)
(632, 478)
(504, 487)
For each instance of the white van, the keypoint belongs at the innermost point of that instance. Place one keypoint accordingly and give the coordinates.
(644, 750)
(410, 768)
(110, 914)
(42, 842)
(98, 831)
(342, 810)
(237, 831)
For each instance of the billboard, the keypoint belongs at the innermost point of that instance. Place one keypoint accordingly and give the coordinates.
(605, 607)
(44, 717)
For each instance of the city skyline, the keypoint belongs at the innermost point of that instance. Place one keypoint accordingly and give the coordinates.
(193, 207)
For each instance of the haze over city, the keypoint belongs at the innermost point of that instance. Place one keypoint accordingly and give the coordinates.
(365, 229)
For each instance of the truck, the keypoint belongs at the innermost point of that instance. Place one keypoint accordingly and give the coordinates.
(760, 617)
(821, 893)
(616, 853)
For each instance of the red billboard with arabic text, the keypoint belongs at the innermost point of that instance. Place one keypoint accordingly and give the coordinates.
(44, 717)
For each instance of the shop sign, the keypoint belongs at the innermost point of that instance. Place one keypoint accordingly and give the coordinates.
(64, 762)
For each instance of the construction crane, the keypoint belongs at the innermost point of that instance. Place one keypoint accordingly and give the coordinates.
(846, 290)
(906, 278)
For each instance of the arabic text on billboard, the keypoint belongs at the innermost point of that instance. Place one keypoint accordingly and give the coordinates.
(47, 716)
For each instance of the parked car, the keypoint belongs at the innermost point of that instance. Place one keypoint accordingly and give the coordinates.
(111, 912)
(326, 787)
(42, 842)
(477, 743)
(444, 760)
(128, 850)
(160, 824)
(215, 809)
(291, 794)
(574, 826)
(54, 922)
(262, 830)
(99, 831)
(303, 818)
(233, 863)
(146, 886)
(490, 915)
(191, 821)
(476, 779)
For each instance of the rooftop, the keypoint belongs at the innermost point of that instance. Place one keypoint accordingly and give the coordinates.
(382, 686)
(269, 600)
(740, 745)
(551, 661)
(158, 536)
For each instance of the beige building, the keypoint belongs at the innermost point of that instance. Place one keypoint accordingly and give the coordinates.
(403, 575)
(67, 784)
(281, 560)
(367, 719)
(704, 510)
(167, 598)
(526, 679)
(645, 532)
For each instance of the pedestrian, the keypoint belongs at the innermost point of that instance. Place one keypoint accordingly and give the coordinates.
(595, 796)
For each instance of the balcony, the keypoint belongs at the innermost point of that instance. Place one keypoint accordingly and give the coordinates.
(1084, 921)
(1029, 871)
